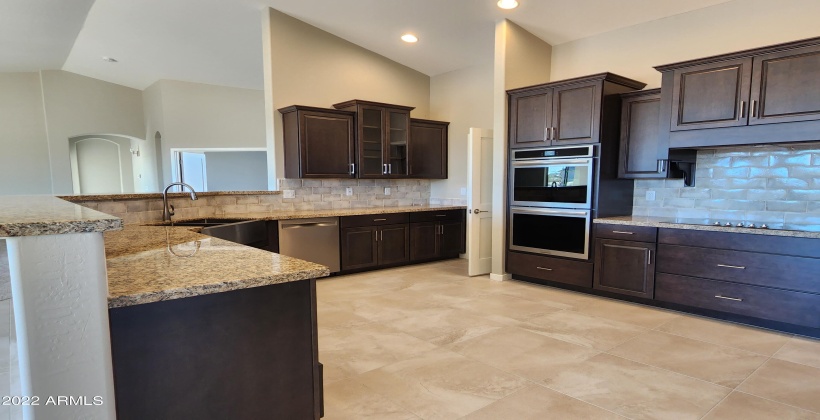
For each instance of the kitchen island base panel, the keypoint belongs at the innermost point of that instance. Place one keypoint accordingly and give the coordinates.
(244, 354)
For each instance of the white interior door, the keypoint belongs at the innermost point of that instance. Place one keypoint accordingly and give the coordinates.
(479, 219)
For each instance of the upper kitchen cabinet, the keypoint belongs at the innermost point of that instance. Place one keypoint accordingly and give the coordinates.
(765, 95)
(428, 149)
(318, 142)
(565, 112)
(383, 132)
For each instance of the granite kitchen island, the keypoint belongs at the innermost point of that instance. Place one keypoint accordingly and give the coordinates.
(209, 329)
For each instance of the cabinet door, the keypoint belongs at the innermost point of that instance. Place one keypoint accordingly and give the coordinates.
(711, 95)
(393, 244)
(450, 238)
(625, 267)
(428, 150)
(423, 241)
(576, 114)
(529, 118)
(326, 144)
(786, 86)
(359, 248)
(395, 147)
(371, 142)
(640, 150)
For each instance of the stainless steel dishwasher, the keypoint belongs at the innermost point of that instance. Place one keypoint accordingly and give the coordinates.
(315, 240)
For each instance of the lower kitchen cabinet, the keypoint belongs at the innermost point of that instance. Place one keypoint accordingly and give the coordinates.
(551, 269)
(373, 246)
(624, 267)
(624, 261)
(435, 240)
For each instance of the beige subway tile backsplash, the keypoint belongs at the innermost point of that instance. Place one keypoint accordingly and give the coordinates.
(761, 184)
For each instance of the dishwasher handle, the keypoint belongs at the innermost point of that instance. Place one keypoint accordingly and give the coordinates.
(301, 225)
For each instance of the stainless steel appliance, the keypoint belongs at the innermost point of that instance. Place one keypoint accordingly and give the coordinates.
(315, 240)
(558, 177)
(559, 232)
(551, 196)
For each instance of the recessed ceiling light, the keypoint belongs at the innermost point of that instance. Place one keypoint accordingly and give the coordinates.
(110, 59)
(409, 38)
(507, 4)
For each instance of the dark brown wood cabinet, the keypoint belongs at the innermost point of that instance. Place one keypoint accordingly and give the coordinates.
(437, 235)
(563, 113)
(318, 143)
(371, 241)
(383, 133)
(642, 152)
(764, 95)
(427, 149)
(624, 259)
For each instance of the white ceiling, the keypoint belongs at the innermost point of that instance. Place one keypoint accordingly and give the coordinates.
(220, 41)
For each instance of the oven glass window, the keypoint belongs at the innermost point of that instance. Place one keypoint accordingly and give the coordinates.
(551, 184)
(554, 233)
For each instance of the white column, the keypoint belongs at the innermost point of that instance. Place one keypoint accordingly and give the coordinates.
(59, 290)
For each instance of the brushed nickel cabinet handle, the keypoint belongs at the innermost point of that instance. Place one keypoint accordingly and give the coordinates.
(729, 298)
(544, 268)
(546, 133)
(754, 108)
(554, 133)
(739, 267)
(661, 165)
(379, 220)
(649, 257)
(442, 229)
(375, 236)
(742, 109)
(352, 169)
(623, 233)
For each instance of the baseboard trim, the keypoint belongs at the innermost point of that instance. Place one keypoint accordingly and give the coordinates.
(500, 277)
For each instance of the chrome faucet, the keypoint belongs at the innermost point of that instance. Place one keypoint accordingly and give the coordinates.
(168, 209)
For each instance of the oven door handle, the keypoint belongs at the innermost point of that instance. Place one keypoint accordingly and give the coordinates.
(583, 213)
(552, 162)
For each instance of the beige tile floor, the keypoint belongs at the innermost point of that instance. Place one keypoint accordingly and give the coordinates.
(430, 342)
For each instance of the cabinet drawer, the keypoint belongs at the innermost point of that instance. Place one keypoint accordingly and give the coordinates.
(559, 270)
(759, 302)
(374, 220)
(626, 232)
(436, 216)
(787, 272)
(801, 247)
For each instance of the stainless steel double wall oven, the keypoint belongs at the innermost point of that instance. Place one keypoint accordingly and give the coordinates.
(551, 200)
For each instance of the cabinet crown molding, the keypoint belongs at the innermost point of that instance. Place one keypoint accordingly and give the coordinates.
(741, 54)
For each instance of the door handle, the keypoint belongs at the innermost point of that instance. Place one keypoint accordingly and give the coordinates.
(476, 211)
(554, 132)
(546, 133)
(442, 229)
(375, 236)
(389, 168)
(649, 257)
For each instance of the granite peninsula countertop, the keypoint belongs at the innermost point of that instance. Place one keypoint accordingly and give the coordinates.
(673, 223)
(35, 215)
(142, 196)
(157, 263)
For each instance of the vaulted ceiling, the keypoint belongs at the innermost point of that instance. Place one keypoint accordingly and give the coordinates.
(220, 41)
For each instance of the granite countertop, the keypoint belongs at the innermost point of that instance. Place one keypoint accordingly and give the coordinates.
(673, 223)
(304, 214)
(35, 215)
(136, 196)
(157, 263)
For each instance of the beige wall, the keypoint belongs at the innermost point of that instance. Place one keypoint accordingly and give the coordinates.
(727, 27)
(308, 66)
(521, 59)
(77, 105)
(24, 164)
(465, 99)
(196, 115)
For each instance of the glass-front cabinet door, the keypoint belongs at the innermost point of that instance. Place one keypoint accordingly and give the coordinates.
(371, 143)
(398, 129)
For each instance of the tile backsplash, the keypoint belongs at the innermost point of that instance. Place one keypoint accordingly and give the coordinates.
(309, 194)
(759, 184)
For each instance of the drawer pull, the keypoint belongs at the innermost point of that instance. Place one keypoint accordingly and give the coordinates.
(379, 220)
(739, 267)
(729, 298)
(544, 268)
(623, 233)
(441, 215)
